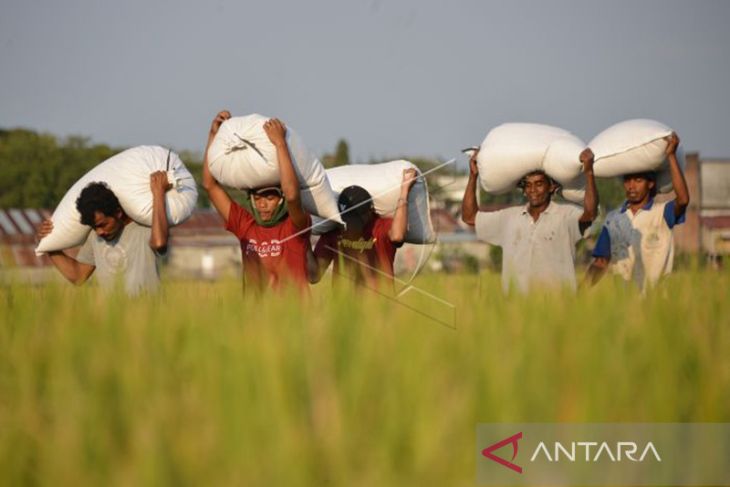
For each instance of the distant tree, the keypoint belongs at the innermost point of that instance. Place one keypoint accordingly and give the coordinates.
(194, 162)
(610, 192)
(36, 169)
(342, 153)
(341, 157)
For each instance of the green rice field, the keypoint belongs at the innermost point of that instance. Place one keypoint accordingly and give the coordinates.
(201, 385)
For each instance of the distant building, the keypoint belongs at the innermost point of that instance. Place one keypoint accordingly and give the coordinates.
(707, 225)
(715, 211)
(17, 245)
(448, 190)
(201, 248)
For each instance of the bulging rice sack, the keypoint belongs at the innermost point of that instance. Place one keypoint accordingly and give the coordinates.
(512, 150)
(242, 156)
(128, 175)
(383, 182)
(634, 146)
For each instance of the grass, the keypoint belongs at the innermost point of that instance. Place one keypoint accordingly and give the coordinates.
(201, 386)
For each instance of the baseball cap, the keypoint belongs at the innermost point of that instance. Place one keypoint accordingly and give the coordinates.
(355, 198)
(267, 189)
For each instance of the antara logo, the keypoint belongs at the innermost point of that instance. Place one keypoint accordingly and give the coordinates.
(588, 451)
(622, 450)
(487, 452)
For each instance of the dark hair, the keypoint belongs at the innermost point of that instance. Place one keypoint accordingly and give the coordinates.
(538, 172)
(355, 197)
(649, 176)
(96, 197)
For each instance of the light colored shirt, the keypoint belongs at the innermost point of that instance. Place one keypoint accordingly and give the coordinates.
(534, 253)
(639, 245)
(128, 260)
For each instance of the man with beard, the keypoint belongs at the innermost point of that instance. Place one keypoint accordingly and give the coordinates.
(538, 239)
(636, 241)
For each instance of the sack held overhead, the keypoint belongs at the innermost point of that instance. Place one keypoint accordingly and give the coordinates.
(512, 150)
(242, 156)
(634, 146)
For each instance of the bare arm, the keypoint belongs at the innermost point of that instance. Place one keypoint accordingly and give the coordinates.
(314, 274)
(596, 270)
(316, 268)
(397, 232)
(159, 186)
(469, 205)
(73, 270)
(70, 268)
(276, 131)
(678, 182)
(590, 200)
(218, 196)
(320, 259)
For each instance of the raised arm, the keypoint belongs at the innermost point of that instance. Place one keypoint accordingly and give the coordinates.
(73, 270)
(217, 195)
(276, 131)
(469, 205)
(159, 186)
(590, 200)
(397, 231)
(678, 182)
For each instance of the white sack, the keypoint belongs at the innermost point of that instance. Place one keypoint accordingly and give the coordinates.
(128, 175)
(634, 146)
(664, 177)
(512, 150)
(575, 191)
(242, 156)
(383, 182)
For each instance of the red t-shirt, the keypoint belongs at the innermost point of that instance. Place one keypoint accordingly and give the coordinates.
(373, 250)
(271, 255)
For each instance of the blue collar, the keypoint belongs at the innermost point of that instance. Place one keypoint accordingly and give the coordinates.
(647, 206)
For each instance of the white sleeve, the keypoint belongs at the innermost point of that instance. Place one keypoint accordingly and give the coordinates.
(86, 253)
(489, 226)
(572, 220)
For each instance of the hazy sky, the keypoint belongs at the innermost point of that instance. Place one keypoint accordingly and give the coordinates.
(392, 77)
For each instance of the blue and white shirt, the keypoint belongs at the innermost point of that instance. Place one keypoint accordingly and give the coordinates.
(640, 245)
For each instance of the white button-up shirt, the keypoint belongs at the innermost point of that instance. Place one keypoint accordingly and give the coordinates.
(538, 252)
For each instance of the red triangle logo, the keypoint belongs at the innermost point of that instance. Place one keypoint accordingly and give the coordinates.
(488, 452)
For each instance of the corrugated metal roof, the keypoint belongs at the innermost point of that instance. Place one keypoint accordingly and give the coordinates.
(20, 223)
(6, 224)
(18, 229)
